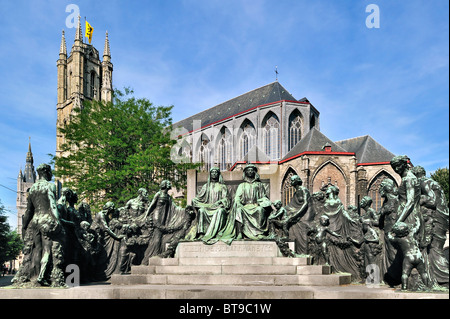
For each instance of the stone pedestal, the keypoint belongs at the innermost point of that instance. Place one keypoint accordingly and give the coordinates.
(236, 249)
(243, 263)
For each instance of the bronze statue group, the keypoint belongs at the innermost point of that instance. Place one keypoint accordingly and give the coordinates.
(408, 232)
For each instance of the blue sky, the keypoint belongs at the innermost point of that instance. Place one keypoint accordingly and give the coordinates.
(390, 82)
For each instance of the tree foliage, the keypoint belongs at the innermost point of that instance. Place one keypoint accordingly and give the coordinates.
(113, 149)
(4, 230)
(10, 242)
(14, 246)
(441, 175)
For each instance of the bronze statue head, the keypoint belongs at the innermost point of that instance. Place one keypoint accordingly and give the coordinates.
(45, 171)
(400, 163)
(296, 180)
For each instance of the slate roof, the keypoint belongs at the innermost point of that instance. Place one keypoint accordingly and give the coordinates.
(269, 93)
(313, 141)
(367, 150)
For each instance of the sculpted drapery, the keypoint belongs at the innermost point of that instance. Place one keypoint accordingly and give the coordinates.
(212, 205)
(251, 205)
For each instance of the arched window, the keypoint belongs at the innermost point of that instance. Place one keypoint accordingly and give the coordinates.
(185, 154)
(224, 149)
(92, 85)
(295, 128)
(271, 136)
(287, 190)
(69, 84)
(330, 173)
(65, 79)
(248, 138)
(204, 153)
(374, 188)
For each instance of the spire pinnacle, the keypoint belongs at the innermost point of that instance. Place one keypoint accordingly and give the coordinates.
(29, 173)
(63, 47)
(29, 154)
(79, 32)
(106, 50)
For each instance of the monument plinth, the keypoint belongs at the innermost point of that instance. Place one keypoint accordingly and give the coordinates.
(236, 249)
(243, 263)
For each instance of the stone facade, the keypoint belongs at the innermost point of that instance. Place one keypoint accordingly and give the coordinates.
(81, 76)
(224, 134)
(216, 137)
(24, 182)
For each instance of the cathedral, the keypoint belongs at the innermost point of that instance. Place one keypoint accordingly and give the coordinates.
(281, 135)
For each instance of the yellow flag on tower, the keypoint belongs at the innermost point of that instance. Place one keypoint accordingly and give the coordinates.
(89, 31)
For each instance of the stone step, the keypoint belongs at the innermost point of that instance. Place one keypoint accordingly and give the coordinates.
(227, 269)
(297, 261)
(232, 269)
(233, 280)
(226, 261)
(314, 270)
(282, 261)
(243, 263)
(177, 294)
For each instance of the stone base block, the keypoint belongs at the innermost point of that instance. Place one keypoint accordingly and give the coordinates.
(236, 249)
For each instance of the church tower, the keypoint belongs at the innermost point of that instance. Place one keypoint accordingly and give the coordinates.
(24, 182)
(81, 76)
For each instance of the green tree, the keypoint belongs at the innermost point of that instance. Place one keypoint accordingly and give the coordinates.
(4, 231)
(441, 175)
(113, 149)
(15, 245)
(10, 242)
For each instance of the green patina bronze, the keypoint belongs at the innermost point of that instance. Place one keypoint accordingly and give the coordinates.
(409, 231)
(43, 234)
(212, 205)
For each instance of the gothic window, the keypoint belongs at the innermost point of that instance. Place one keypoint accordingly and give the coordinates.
(224, 149)
(287, 190)
(185, 154)
(65, 86)
(92, 85)
(248, 138)
(271, 136)
(64, 136)
(374, 188)
(204, 153)
(69, 84)
(295, 129)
